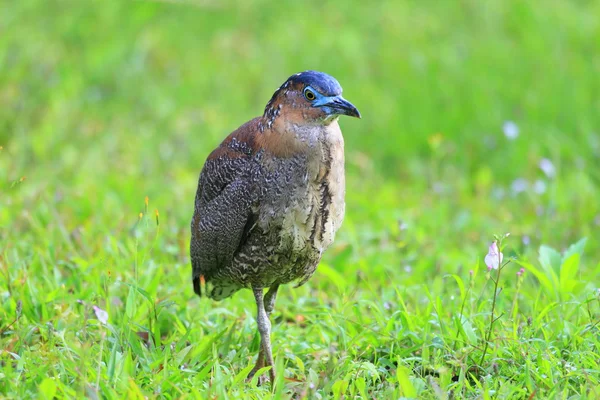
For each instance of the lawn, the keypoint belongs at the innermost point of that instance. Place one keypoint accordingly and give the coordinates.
(479, 119)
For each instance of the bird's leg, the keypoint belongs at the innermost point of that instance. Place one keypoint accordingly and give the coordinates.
(269, 304)
(260, 361)
(264, 309)
(270, 299)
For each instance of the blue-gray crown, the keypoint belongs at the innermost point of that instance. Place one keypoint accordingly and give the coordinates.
(327, 85)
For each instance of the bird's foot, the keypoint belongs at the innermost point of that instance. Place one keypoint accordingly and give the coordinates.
(272, 375)
(263, 378)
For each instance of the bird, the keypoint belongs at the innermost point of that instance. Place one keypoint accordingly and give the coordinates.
(270, 199)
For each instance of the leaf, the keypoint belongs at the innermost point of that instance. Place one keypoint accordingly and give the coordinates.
(181, 355)
(48, 388)
(465, 327)
(460, 284)
(339, 388)
(333, 275)
(549, 258)
(575, 248)
(128, 368)
(369, 369)
(156, 334)
(165, 304)
(568, 273)
(403, 374)
(541, 277)
(361, 386)
(130, 303)
(545, 311)
(141, 291)
(112, 362)
(299, 364)
(243, 374)
(550, 262)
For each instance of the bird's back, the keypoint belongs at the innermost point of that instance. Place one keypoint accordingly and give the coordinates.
(223, 205)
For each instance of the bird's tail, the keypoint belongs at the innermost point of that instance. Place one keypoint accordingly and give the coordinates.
(199, 283)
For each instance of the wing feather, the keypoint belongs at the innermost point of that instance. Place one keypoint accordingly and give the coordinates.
(223, 208)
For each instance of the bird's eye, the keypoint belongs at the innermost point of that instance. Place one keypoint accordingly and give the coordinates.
(309, 94)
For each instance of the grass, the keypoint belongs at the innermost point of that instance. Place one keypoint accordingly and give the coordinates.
(105, 103)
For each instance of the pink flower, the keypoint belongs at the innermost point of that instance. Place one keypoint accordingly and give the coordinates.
(101, 315)
(521, 272)
(494, 257)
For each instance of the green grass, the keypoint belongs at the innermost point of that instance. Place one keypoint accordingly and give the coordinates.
(105, 103)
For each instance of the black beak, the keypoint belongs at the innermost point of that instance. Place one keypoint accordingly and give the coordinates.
(343, 106)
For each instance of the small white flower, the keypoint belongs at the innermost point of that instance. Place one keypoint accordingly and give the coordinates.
(101, 315)
(519, 185)
(539, 186)
(498, 192)
(494, 257)
(547, 168)
(511, 130)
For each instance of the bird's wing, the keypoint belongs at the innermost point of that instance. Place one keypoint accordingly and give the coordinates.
(223, 211)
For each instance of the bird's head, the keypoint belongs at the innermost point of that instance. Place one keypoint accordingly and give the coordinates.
(309, 97)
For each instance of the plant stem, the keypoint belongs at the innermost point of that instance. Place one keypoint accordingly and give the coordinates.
(492, 320)
(462, 308)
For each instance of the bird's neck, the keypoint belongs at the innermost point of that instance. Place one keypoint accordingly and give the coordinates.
(286, 138)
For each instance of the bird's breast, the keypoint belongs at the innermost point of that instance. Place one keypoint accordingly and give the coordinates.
(306, 203)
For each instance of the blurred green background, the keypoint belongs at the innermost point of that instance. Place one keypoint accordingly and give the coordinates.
(109, 102)
(478, 118)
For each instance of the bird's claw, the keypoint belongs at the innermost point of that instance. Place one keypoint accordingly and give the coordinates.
(263, 378)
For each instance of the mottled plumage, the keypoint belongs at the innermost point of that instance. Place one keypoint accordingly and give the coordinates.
(271, 197)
